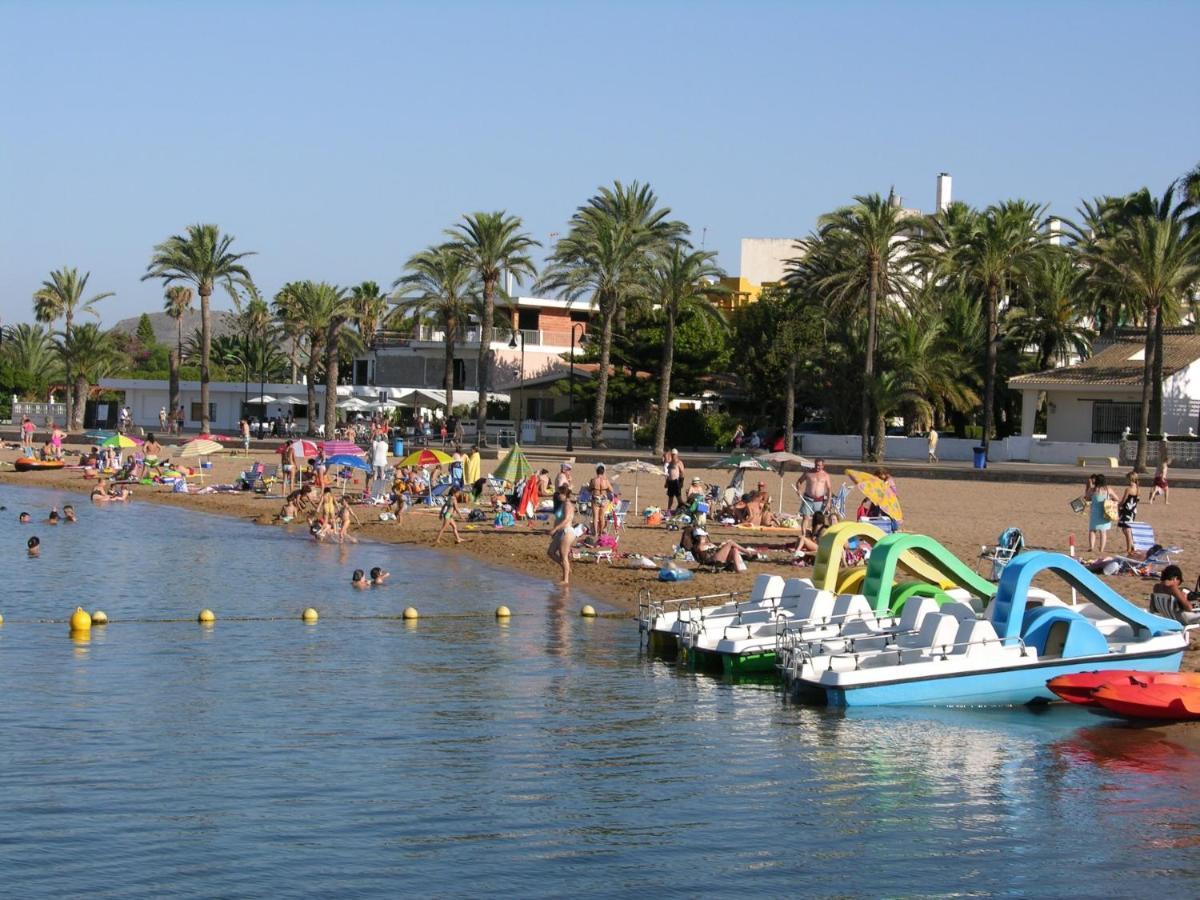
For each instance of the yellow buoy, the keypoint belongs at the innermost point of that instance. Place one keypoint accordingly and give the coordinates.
(80, 620)
(588, 611)
(309, 615)
(503, 612)
(206, 616)
(410, 613)
(99, 617)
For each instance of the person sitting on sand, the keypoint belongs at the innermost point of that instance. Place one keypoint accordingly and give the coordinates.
(151, 450)
(47, 451)
(729, 554)
(69, 513)
(359, 579)
(1169, 598)
(448, 515)
(287, 513)
(378, 576)
(34, 546)
(103, 493)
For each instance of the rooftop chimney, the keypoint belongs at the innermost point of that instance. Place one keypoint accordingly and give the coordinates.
(943, 191)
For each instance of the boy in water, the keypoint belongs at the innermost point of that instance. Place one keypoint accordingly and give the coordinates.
(378, 576)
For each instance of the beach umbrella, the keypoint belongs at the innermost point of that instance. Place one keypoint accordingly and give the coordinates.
(200, 447)
(353, 403)
(345, 460)
(637, 467)
(781, 460)
(98, 435)
(214, 437)
(513, 467)
(302, 448)
(426, 456)
(263, 398)
(333, 448)
(291, 401)
(740, 461)
(120, 441)
(878, 492)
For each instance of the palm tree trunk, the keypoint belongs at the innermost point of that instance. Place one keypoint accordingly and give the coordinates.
(484, 374)
(448, 374)
(880, 437)
(311, 378)
(205, 352)
(1156, 395)
(606, 336)
(173, 379)
(872, 312)
(68, 384)
(176, 366)
(789, 411)
(989, 372)
(81, 392)
(1139, 463)
(664, 382)
(331, 375)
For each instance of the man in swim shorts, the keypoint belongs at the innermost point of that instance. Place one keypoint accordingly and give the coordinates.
(814, 490)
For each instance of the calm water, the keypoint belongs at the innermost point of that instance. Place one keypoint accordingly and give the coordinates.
(549, 757)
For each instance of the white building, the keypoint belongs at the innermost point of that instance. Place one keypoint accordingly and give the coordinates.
(1097, 399)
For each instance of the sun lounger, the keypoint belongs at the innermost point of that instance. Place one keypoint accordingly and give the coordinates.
(1156, 555)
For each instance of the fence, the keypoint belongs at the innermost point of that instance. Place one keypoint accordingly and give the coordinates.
(40, 413)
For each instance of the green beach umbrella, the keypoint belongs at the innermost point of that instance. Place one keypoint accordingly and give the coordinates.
(513, 467)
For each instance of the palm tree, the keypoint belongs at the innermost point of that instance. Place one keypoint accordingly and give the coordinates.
(201, 257)
(440, 286)
(178, 300)
(891, 393)
(60, 297)
(89, 354)
(371, 310)
(491, 243)
(992, 261)
(29, 351)
(681, 283)
(1047, 315)
(865, 242)
(319, 310)
(289, 327)
(929, 359)
(1156, 260)
(606, 255)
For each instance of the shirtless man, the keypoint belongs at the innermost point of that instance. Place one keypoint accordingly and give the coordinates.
(813, 489)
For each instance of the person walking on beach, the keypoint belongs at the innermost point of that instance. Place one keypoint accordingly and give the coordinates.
(1160, 483)
(379, 463)
(1127, 512)
(162, 419)
(244, 428)
(932, 441)
(289, 467)
(1102, 515)
(448, 515)
(562, 535)
(602, 496)
(674, 470)
(459, 435)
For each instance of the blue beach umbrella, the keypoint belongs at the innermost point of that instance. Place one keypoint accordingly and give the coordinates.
(346, 461)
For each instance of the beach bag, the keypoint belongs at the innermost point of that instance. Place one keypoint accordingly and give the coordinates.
(672, 574)
(504, 520)
(1110, 510)
(607, 541)
(655, 518)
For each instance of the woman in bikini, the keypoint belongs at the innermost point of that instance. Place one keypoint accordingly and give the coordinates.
(729, 554)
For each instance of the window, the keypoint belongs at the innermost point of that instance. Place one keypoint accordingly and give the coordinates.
(460, 374)
(1109, 420)
(527, 320)
(539, 408)
(194, 413)
(580, 317)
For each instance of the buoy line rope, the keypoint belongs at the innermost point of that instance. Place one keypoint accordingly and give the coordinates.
(325, 617)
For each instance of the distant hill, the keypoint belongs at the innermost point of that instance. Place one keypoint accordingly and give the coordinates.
(164, 325)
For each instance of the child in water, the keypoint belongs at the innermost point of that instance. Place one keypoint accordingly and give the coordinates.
(34, 546)
(378, 576)
(359, 579)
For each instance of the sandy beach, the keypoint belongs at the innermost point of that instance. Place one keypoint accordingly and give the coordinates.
(962, 514)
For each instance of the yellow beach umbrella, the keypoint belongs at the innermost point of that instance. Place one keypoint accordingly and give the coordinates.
(120, 441)
(426, 456)
(200, 447)
(878, 492)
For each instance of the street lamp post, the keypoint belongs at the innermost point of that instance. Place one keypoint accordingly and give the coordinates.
(519, 418)
(571, 421)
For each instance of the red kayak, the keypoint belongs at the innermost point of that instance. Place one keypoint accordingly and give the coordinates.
(1150, 701)
(1078, 687)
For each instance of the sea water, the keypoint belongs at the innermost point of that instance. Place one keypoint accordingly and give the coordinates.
(460, 756)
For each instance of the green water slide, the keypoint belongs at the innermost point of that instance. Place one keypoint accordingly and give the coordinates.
(894, 550)
(829, 576)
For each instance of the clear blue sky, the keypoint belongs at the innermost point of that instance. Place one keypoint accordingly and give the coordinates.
(337, 138)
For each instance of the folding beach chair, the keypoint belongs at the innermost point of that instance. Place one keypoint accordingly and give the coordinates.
(886, 524)
(619, 511)
(1009, 544)
(1156, 556)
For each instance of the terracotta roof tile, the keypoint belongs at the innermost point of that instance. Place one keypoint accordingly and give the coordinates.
(1117, 364)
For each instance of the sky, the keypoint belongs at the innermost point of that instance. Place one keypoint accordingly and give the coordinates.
(336, 139)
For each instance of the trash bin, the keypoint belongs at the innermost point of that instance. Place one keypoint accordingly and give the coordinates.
(398, 447)
(980, 457)
(505, 439)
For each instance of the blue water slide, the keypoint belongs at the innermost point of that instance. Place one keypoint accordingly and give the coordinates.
(1008, 610)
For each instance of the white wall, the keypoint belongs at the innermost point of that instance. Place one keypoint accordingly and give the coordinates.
(763, 258)
(1015, 449)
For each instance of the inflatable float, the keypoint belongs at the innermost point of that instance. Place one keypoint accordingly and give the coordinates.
(29, 464)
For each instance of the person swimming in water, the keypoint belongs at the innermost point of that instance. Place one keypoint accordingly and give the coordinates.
(359, 579)
(69, 513)
(53, 517)
(378, 576)
(24, 517)
(34, 546)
